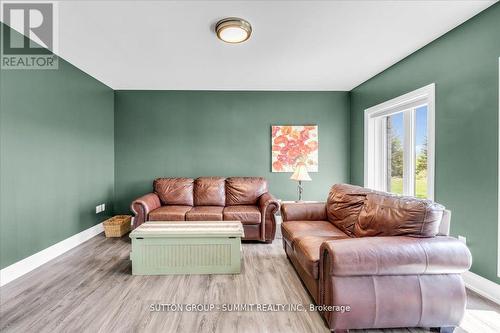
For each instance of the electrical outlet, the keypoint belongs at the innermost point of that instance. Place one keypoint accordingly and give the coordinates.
(100, 208)
(463, 239)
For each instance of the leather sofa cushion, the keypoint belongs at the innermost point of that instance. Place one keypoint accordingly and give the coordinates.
(307, 252)
(344, 205)
(174, 191)
(209, 191)
(389, 215)
(169, 213)
(244, 190)
(205, 213)
(292, 230)
(245, 213)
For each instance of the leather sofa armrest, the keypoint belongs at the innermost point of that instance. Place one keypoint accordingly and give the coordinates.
(303, 211)
(268, 201)
(395, 255)
(142, 206)
(268, 206)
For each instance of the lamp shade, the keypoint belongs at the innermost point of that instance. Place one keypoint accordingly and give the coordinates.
(300, 172)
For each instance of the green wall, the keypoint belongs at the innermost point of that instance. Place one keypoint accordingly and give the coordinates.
(205, 133)
(464, 65)
(56, 157)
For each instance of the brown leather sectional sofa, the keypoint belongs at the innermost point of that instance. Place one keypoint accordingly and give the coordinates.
(245, 199)
(388, 258)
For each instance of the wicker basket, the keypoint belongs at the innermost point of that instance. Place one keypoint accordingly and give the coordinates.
(117, 226)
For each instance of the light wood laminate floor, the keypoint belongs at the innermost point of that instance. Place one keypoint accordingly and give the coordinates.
(90, 289)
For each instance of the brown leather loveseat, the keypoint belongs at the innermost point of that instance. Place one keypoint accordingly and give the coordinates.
(245, 199)
(388, 258)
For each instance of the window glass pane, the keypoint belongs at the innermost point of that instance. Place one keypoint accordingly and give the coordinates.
(395, 137)
(421, 152)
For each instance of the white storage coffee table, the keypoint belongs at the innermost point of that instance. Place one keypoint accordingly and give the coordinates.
(186, 247)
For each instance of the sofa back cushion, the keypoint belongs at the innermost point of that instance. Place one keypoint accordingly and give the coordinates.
(209, 191)
(390, 215)
(344, 205)
(174, 191)
(244, 190)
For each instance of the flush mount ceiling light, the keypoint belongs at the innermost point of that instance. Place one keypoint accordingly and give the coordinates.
(233, 30)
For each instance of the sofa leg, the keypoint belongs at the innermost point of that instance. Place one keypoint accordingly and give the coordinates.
(340, 331)
(444, 329)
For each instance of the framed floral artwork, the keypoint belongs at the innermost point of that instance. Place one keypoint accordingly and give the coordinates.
(293, 144)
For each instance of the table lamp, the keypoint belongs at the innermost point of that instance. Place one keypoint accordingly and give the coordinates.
(300, 174)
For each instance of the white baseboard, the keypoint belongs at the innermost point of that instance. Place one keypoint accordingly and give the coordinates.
(28, 264)
(484, 287)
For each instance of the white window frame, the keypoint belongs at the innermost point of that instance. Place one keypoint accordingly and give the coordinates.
(375, 138)
(498, 206)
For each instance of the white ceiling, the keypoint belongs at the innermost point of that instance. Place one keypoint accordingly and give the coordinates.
(295, 45)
